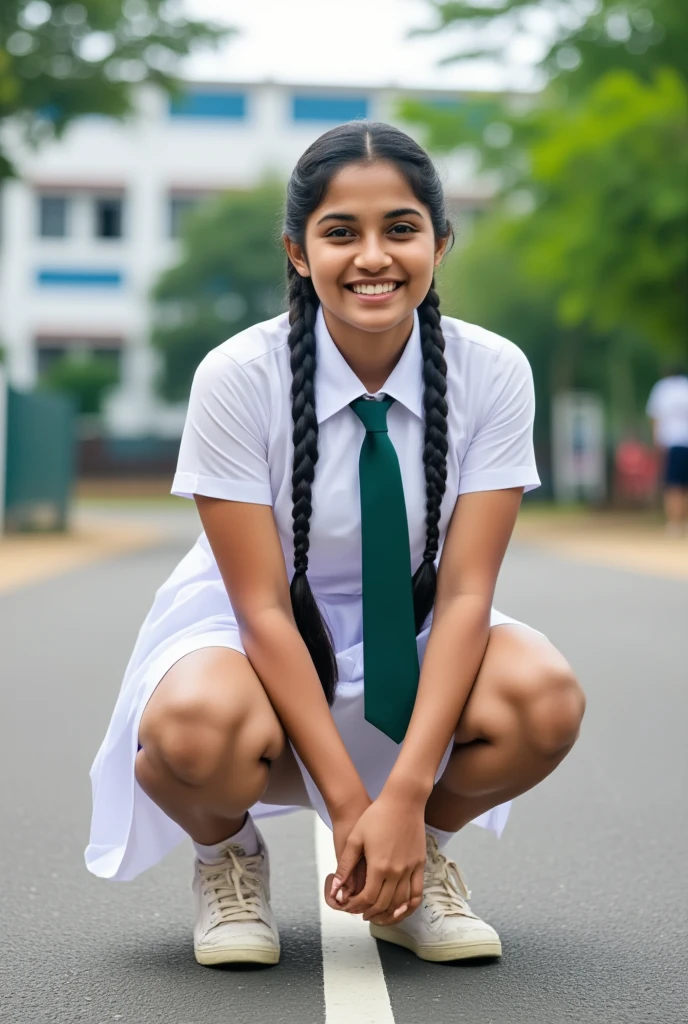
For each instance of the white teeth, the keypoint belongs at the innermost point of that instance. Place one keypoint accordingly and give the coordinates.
(373, 289)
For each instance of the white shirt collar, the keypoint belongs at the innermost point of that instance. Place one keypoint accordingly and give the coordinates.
(336, 384)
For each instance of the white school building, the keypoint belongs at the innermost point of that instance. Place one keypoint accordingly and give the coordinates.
(94, 218)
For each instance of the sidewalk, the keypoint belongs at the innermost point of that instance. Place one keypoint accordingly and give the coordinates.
(632, 541)
(26, 558)
(625, 540)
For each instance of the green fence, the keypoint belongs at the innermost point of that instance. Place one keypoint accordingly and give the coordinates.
(40, 450)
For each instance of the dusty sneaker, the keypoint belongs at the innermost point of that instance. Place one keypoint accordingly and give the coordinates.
(234, 919)
(443, 927)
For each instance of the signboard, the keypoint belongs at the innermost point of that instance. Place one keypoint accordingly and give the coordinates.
(578, 447)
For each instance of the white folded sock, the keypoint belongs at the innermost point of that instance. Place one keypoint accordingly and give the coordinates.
(246, 837)
(442, 838)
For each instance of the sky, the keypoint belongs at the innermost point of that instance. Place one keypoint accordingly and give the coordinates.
(346, 42)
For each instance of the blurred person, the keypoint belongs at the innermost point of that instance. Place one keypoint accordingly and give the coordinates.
(667, 407)
(338, 454)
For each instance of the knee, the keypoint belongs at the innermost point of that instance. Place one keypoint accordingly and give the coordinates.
(196, 741)
(552, 705)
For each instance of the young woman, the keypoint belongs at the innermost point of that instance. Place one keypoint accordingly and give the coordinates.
(358, 465)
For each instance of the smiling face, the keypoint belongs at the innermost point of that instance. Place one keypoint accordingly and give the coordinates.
(370, 249)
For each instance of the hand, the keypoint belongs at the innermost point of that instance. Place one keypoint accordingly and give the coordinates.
(343, 821)
(389, 839)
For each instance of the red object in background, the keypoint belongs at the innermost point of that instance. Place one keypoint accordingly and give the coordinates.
(636, 468)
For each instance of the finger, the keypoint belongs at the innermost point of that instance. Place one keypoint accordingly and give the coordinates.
(347, 862)
(398, 904)
(383, 903)
(369, 894)
(335, 898)
(356, 881)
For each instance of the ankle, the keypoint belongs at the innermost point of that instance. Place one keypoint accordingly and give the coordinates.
(244, 835)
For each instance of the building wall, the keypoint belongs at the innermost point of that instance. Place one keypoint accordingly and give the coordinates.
(86, 293)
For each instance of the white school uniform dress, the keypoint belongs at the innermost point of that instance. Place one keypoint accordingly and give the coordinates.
(237, 445)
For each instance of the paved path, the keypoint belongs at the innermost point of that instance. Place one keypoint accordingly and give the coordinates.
(588, 887)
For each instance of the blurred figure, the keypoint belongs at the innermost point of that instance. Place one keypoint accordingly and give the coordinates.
(667, 408)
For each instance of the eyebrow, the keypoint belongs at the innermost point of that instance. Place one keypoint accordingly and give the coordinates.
(350, 218)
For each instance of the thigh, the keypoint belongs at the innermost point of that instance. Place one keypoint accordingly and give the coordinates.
(520, 666)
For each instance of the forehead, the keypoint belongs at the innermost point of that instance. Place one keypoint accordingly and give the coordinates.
(360, 188)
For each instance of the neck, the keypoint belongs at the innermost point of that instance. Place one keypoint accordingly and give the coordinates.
(372, 355)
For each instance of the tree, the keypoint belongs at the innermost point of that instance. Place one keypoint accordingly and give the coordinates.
(86, 379)
(60, 60)
(230, 275)
(580, 39)
(610, 237)
(583, 255)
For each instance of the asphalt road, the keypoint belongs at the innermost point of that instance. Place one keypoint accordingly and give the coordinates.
(588, 887)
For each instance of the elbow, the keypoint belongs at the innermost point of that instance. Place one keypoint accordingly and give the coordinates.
(262, 624)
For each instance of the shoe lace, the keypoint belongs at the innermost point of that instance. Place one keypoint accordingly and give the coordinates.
(445, 890)
(234, 888)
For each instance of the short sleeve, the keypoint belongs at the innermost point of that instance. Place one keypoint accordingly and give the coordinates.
(500, 454)
(223, 451)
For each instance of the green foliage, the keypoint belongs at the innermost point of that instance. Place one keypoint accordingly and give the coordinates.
(582, 39)
(610, 234)
(230, 276)
(60, 60)
(582, 258)
(85, 378)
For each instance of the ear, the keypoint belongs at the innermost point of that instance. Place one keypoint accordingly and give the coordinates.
(440, 250)
(297, 255)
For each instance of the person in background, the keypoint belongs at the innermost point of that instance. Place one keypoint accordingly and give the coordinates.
(667, 408)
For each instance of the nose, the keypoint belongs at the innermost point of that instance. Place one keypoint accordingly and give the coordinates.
(372, 256)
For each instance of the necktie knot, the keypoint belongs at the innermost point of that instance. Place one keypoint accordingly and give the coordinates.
(372, 414)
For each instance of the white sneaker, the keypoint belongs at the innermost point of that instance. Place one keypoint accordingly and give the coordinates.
(443, 927)
(234, 919)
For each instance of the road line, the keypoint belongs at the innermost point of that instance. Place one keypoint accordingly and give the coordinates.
(355, 988)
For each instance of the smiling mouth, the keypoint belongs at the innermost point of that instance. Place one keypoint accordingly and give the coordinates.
(375, 289)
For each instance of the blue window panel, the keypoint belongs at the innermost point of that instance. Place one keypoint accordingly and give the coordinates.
(329, 108)
(230, 105)
(79, 278)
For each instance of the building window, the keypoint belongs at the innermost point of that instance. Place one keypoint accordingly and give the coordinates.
(52, 216)
(336, 109)
(108, 216)
(207, 104)
(178, 210)
(79, 278)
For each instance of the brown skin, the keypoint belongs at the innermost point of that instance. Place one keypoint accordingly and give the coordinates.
(509, 699)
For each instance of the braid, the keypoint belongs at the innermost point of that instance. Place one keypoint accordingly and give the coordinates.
(303, 306)
(434, 450)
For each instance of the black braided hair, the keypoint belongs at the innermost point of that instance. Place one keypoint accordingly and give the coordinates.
(434, 450)
(359, 142)
(303, 306)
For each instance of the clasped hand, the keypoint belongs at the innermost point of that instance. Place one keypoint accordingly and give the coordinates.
(380, 861)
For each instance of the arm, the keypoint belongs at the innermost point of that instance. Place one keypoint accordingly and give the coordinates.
(476, 543)
(247, 549)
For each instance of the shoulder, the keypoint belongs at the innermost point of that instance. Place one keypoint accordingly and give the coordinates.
(238, 376)
(257, 344)
(480, 353)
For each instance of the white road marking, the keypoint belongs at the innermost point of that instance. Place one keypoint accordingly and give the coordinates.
(355, 988)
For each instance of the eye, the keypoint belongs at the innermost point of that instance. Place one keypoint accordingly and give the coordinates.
(339, 233)
(403, 229)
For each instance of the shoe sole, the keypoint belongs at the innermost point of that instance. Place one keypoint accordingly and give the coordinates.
(485, 948)
(237, 955)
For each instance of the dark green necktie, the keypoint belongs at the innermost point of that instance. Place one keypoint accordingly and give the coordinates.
(390, 655)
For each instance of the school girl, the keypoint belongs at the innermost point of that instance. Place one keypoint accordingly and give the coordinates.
(358, 465)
